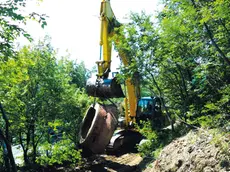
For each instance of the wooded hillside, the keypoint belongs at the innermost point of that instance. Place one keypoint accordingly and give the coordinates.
(181, 55)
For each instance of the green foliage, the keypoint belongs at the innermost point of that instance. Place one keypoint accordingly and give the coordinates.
(156, 140)
(12, 15)
(78, 74)
(183, 58)
(42, 94)
(219, 138)
(147, 148)
(61, 152)
(75, 105)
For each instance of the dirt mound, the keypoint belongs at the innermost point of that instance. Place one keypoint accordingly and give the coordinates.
(202, 150)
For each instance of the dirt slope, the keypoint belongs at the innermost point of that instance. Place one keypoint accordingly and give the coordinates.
(200, 151)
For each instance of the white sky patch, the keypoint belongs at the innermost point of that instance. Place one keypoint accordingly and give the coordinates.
(74, 25)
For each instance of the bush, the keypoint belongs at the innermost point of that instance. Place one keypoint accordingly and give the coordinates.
(147, 148)
(59, 153)
(156, 140)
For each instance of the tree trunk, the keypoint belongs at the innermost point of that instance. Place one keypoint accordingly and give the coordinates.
(26, 159)
(162, 101)
(185, 99)
(9, 152)
(5, 138)
(24, 148)
(33, 141)
(5, 157)
(25, 156)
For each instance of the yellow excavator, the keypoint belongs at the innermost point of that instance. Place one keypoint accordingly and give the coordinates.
(98, 130)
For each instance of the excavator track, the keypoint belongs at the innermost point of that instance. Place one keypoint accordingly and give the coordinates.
(124, 140)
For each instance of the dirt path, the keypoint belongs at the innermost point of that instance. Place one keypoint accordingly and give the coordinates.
(110, 163)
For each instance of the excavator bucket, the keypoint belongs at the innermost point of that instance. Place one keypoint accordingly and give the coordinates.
(108, 88)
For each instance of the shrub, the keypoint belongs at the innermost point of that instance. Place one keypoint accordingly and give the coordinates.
(59, 153)
(147, 147)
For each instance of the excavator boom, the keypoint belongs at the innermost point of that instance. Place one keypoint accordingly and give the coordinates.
(104, 87)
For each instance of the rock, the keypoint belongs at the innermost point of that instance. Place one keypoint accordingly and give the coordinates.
(208, 169)
(190, 149)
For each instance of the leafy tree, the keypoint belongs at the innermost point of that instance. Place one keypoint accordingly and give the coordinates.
(183, 57)
(78, 74)
(4, 137)
(140, 45)
(191, 31)
(45, 95)
(11, 17)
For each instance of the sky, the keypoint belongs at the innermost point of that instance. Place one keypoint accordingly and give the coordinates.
(74, 25)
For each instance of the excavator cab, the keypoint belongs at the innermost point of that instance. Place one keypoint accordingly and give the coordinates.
(148, 108)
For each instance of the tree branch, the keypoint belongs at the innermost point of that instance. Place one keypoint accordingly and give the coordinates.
(212, 38)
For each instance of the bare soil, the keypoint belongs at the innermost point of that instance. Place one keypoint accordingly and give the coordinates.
(111, 163)
(198, 151)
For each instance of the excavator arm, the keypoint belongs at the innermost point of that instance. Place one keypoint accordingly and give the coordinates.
(108, 24)
(104, 87)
